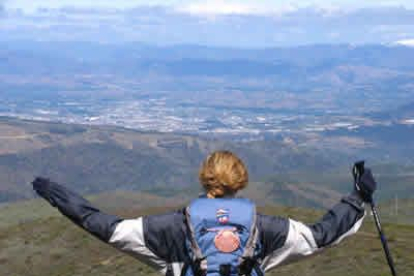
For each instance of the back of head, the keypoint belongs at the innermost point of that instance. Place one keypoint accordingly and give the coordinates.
(223, 174)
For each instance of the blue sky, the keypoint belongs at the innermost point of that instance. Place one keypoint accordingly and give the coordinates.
(231, 23)
(228, 5)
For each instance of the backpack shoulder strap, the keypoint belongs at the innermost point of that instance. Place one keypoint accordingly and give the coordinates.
(249, 260)
(251, 245)
(198, 259)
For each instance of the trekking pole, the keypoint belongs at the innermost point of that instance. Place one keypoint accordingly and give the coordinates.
(357, 171)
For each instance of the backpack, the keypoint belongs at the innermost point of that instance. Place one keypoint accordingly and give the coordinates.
(222, 238)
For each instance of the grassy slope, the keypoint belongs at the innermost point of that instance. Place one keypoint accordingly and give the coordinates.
(94, 159)
(29, 211)
(53, 246)
(400, 212)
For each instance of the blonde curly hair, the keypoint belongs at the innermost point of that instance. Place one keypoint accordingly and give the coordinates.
(222, 173)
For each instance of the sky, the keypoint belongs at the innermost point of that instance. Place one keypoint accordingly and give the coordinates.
(230, 23)
(219, 6)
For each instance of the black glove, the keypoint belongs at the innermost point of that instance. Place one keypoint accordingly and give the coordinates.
(365, 183)
(42, 186)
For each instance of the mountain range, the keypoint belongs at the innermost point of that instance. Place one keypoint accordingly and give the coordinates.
(95, 159)
(315, 78)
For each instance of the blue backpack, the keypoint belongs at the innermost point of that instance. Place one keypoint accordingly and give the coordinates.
(222, 238)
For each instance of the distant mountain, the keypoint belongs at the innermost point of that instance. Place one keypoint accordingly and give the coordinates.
(93, 159)
(20, 56)
(98, 159)
(387, 135)
(318, 78)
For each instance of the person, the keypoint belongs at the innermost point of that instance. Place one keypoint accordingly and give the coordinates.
(162, 241)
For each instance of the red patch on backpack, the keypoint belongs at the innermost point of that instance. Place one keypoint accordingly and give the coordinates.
(227, 241)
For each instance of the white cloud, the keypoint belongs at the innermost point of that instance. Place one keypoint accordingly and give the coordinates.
(217, 7)
(221, 7)
(406, 42)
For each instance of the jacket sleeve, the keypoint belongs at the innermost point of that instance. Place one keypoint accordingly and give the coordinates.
(287, 240)
(80, 211)
(158, 241)
(126, 235)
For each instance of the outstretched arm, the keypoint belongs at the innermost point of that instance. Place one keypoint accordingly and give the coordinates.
(287, 240)
(126, 235)
(340, 222)
(77, 209)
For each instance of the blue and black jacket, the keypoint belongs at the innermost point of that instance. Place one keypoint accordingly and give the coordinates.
(160, 240)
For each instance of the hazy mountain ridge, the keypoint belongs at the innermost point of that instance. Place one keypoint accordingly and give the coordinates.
(135, 57)
(79, 152)
(112, 83)
(93, 159)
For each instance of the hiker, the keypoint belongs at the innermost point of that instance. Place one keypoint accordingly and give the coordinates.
(218, 233)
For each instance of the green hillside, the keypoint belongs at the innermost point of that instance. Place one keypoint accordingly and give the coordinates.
(93, 159)
(53, 246)
(99, 159)
(22, 212)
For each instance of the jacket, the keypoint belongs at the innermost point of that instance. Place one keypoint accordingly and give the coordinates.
(159, 240)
